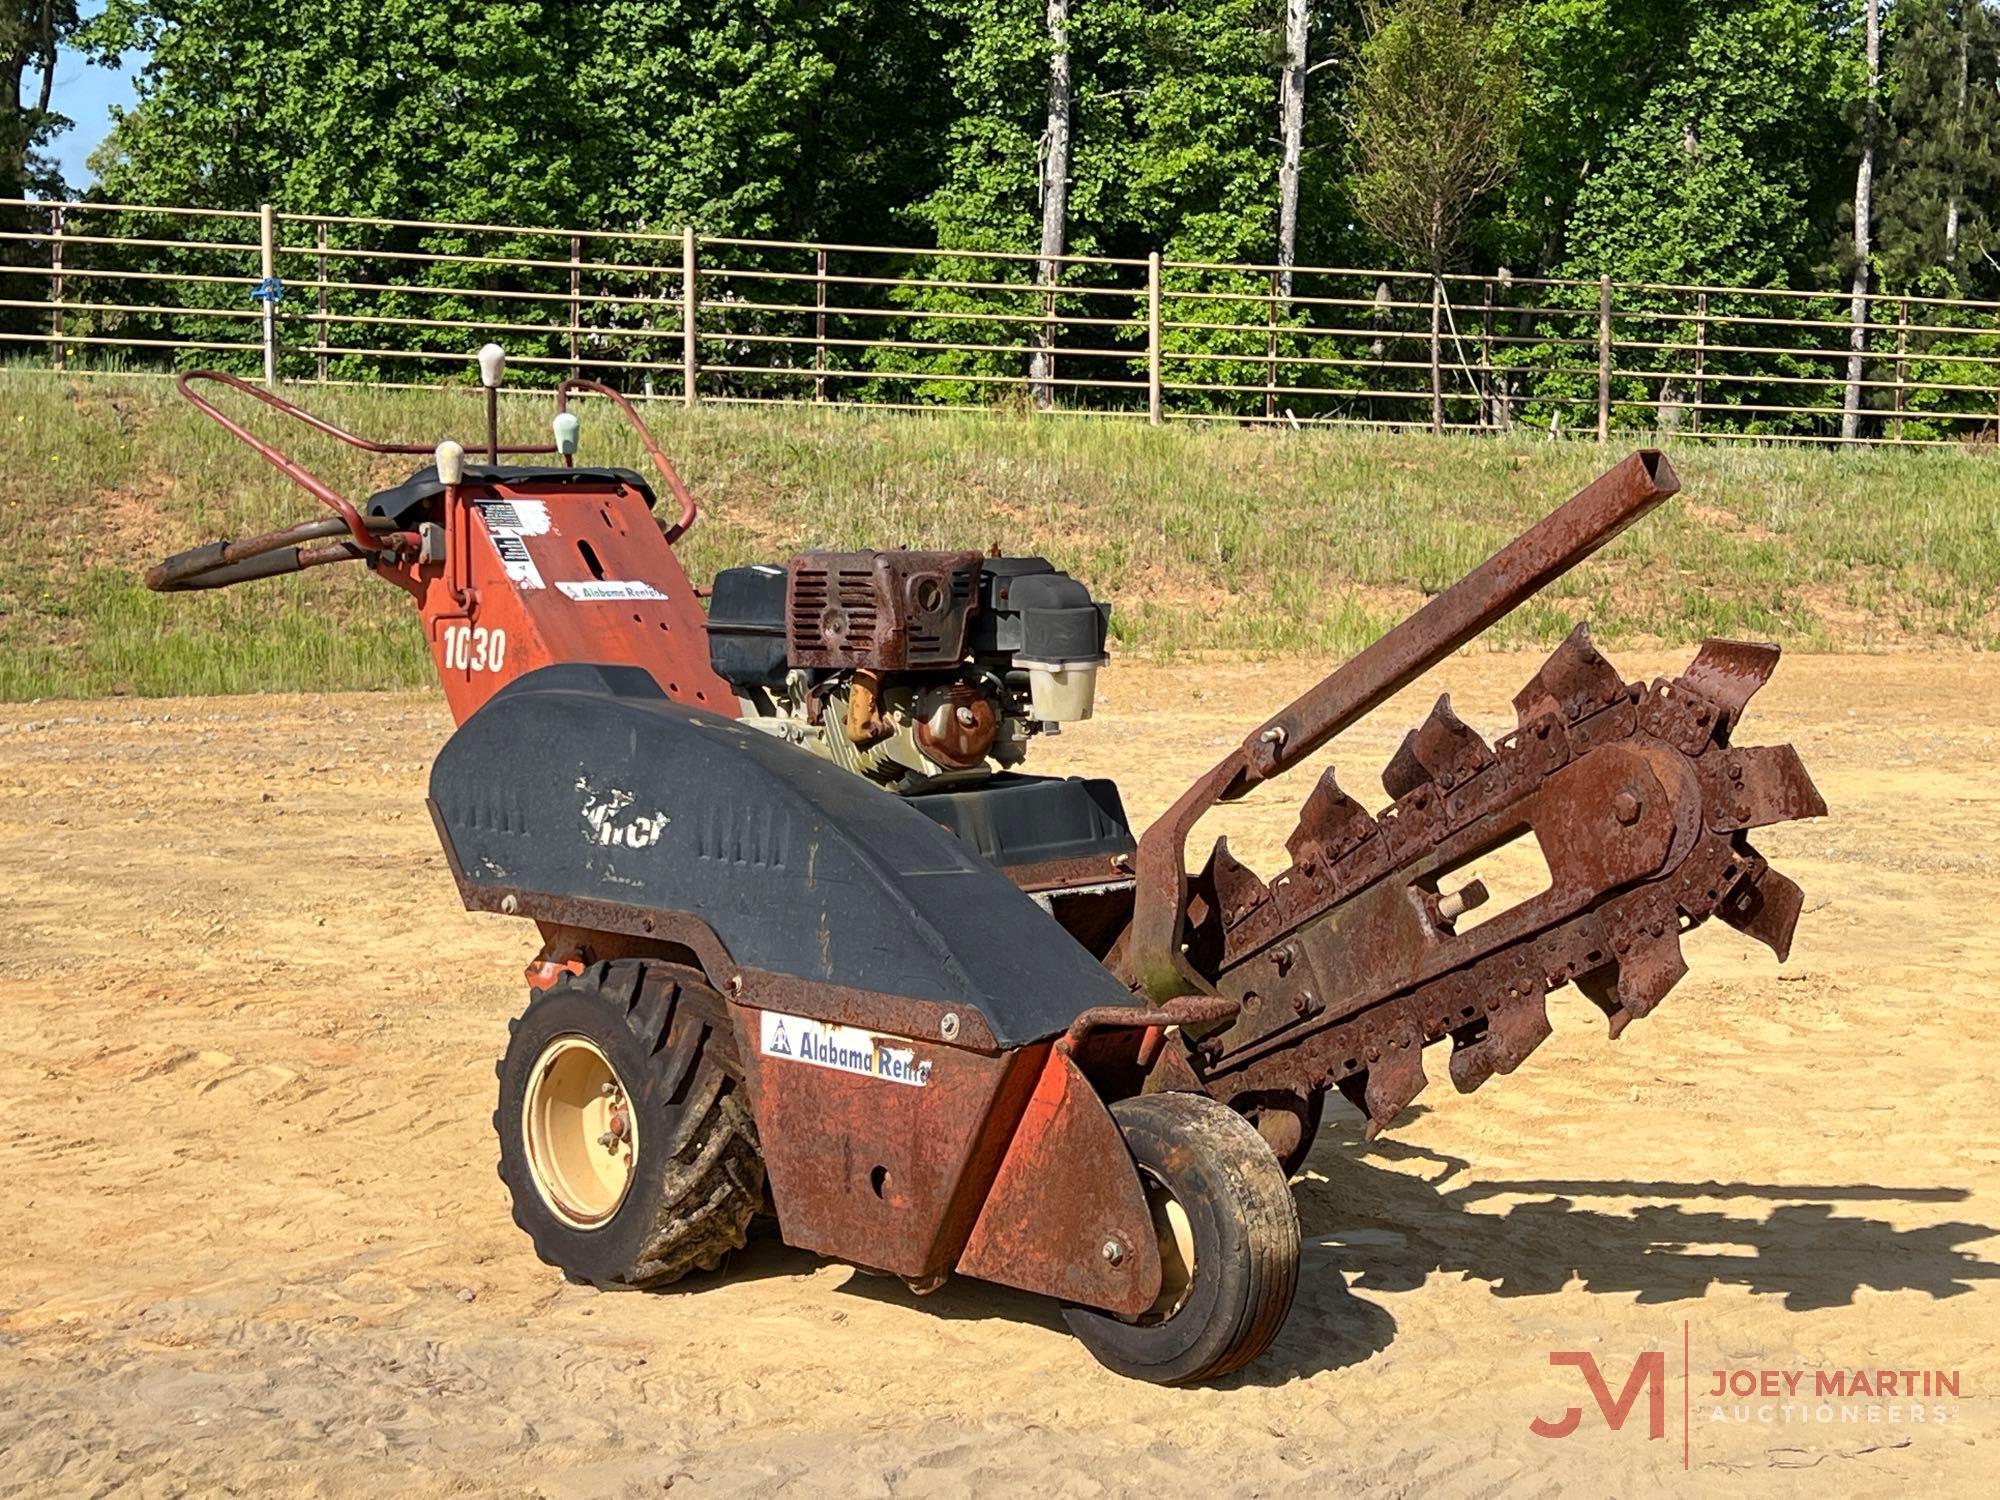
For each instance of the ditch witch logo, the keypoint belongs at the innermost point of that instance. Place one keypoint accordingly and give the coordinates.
(1752, 1395)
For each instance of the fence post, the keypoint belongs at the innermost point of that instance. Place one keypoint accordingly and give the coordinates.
(1604, 359)
(1486, 402)
(1271, 354)
(690, 369)
(575, 304)
(1902, 349)
(1153, 338)
(1437, 367)
(1700, 358)
(56, 282)
(325, 318)
(819, 325)
(267, 240)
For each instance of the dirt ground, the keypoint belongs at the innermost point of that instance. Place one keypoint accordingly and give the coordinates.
(253, 1240)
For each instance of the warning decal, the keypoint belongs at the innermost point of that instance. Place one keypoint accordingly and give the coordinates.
(845, 1049)
(507, 521)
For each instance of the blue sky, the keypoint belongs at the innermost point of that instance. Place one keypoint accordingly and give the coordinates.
(86, 93)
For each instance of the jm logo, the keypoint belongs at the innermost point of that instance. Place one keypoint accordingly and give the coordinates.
(1649, 1374)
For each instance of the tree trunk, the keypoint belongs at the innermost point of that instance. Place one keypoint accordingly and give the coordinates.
(1055, 199)
(1957, 136)
(1291, 133)
(1864, 193)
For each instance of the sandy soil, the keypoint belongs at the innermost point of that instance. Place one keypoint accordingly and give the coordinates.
(253, 1240)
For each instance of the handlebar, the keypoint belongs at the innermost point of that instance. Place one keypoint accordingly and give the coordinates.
(217, 565)
(311, 543)
(689, 513)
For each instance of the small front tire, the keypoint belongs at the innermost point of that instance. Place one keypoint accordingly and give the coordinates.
(1229, 1244)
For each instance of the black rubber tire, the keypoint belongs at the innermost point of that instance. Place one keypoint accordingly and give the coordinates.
(1246, 1244)
(699, 1177)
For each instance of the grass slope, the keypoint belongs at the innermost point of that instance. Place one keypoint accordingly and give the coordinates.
(1203, 537)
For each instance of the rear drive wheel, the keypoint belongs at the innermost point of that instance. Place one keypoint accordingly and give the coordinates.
(1229, 1244)
(625, 1137)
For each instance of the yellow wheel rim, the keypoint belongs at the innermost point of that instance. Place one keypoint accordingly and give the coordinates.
(1176, 1239)
(581, 1136)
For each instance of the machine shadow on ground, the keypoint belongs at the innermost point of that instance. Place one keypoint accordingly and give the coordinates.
(1390, 1229)
(1369, 1227)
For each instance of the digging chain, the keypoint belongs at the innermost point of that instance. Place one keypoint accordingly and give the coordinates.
(1347, 965)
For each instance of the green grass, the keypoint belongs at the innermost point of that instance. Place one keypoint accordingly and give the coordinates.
(1203, 537)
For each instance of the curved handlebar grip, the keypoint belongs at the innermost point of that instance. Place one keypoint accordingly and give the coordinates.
(216, 565)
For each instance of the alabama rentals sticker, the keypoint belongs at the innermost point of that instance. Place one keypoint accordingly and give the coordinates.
(845, 1049)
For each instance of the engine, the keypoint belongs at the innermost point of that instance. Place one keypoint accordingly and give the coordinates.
(917, 670)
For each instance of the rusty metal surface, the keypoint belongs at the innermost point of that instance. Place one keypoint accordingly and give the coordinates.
(1067, 1214)
(886, 611)
(1349, 962)
(1515, 573)
(886, 1174)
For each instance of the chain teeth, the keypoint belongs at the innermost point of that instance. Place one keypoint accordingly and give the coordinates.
(1330, 824)
(1516, 1024)
(1729, 673)
(1767, 909)
(1444, 750)
(1758, 785)
(1574, 680)
(1388, 1086)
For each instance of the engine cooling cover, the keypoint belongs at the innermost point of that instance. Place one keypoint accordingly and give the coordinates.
(587, 781)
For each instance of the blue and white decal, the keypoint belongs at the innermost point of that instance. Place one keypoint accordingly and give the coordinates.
(845, 1049)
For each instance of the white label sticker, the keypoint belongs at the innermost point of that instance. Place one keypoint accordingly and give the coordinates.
(610, 589)
(522, 517)
(507, 521)
(845, 1049)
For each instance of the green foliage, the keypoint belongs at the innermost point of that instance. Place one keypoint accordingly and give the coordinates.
(1707, 143)
(1436, 125)
(1940, 182)
(1701, 142)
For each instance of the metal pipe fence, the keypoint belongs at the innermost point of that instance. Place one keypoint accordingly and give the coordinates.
(709, 318)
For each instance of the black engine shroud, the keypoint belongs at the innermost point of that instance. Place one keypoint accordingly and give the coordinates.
(587, 781)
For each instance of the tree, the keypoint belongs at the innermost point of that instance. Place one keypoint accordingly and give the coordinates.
(31, 32)
(1436, 113)
(1940, 167)
(1291, 137)
(1055, 192)
(1864, 183)
(1435, 124)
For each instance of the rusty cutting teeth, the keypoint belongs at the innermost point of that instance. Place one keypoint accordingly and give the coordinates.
(1387, 1088)
(1729, 673)
(1574, 680)
(1330, 824)
(1766, 909)
(1758, 785)
(1443, 749)
(1235, 886)
(1646, 971)
(1516, 1025)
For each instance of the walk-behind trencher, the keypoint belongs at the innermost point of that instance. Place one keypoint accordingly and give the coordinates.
(812, 945)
